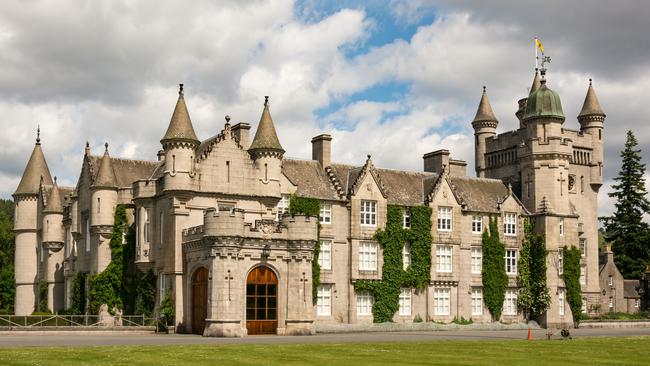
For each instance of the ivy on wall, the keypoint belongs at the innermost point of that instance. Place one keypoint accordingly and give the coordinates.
(392, 240)
(495, 279)
(78, 294)
(145, 294)
(534, 298)
(571, 276)
(309, 207)
(42, 297)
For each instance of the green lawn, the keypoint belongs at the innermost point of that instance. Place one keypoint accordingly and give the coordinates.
(585, 351)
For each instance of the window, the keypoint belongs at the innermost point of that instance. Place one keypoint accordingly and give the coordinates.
(406, 255)
(161, 228)
(611, 303)
(443, 258)
(511, 261)
(610, 280)
(583, 246)
(477, 301)
(405, 301)
(66, 242)
(560, 261)
(444, 218)
(510, 303)
(477, 260)
(364, 303)
(226, 207)
(146, 225)
(161, 279)
(87, 235)
(124, 232)
(637, 303)
(325, 216)
(560, 300)
(510, 224)
(441, 297)
(42, 253)
(583, 275)
(406, 219)
(324, 300)
(325, 256)
(99, 205)
(368, 213)
(584, 305)
(562, 226)
(477, 224)
(282, 207)
(367, 256)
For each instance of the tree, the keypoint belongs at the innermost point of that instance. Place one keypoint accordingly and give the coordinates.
(7, 249)
(495, 279)
(534, 298)
(625, 229)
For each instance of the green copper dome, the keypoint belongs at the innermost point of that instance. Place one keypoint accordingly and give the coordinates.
(543, 102)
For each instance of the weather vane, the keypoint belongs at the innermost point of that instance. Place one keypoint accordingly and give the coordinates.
(543, 58)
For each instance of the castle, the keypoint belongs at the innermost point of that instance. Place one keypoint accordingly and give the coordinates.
(212, 221)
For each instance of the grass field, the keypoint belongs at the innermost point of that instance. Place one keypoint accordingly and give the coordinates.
(585, 351)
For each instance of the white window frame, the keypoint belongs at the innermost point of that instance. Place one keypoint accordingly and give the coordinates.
(405, 301)
(406, 218)
(325, 255)
(561, 226)
(560, 301)
(476, 260)
(610, 280)
(477, 224)
(477, 301)
(583, 246)
(584, 305)
(325, 214)
(510, 302)
(509, 224)
(442, 301)
(364, 300)
(282, 207)
(560, 261)
(406, 255)
(637, 303)
(445, 218)
(611, 302)
(368, 213)
(367, 256)
(511, 261)
(444, 258)
(147, 225)
(583, 275)
(324, 300)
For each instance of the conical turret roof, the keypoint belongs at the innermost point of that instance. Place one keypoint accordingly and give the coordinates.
(537, 82)
(180, 126)
(484, 111)
(591, 105)
(106, 174)
(35, 170)
(54, 204)
(265, 137)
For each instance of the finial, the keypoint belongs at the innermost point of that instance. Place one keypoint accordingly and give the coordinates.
(87, 149)
(38, 135)
(180, 89)
(266, 100)
(55, 180)
(106, 146)
(368, 156)
(483, 89)
(227, 119)
(509, 188)
(589, 81)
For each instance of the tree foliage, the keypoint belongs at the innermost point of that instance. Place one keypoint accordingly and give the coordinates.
(145, 298)
(625, 229)
(571, 276)
(7, 249)
(495, 279)
(534, 298)
(78, 294)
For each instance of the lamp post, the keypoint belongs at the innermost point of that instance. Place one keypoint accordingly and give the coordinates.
(266, 252)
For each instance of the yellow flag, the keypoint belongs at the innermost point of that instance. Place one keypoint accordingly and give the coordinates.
(539, 45)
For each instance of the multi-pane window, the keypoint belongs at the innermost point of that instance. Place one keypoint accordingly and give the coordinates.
(560, 261)
(583, 275)
(584, 305)
(510, 223)
(561, 226)
(444, 218)
(325, 255)
(511, 261)
(477, 224)
(477, 260)
(324, 300)
(405, 301)
(611, 303)
(560, 300)
(610, 280)
(282, 207)
(367, 256)
(477, 301)
(406, 255)
(368, 213)
(510, 303)
(443, 258)
(325, 216)
(364, 303)
(406, 219)
(583, 246)
(441, 299)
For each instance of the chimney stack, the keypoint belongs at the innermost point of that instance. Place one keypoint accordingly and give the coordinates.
(241, 133)
(439, 161)
(321, 149)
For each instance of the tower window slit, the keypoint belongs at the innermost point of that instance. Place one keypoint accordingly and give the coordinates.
(228, 171)
(173, 163)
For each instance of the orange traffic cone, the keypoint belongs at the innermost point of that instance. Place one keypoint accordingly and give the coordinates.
(530, 335)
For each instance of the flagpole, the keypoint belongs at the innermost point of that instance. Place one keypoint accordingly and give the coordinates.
(535, 47)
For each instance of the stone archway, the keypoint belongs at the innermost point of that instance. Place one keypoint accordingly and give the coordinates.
(199, 299)
(262, 301)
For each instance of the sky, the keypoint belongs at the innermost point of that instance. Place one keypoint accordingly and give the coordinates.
(395, 79)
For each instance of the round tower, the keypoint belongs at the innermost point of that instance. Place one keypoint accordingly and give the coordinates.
(267, 153)
(179, 146)
(52, 242)
(592, 119)
(26, 229)
(103, 203)
(485, 126)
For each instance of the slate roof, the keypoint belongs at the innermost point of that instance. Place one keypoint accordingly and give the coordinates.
(35, 169)
(591, 106)
(54, 202)
(265, 137)
(126, 171)
(311, 179)
(630, 289)
(106, 174)
(484, 111)
(479, 194)
(180, 126)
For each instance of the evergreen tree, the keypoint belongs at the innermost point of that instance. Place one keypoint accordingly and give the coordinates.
(495, 279)
(534, 298)
(7, 246)
(626, 230)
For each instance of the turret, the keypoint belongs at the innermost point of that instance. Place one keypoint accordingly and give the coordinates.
(267, 153)
(522, 102)
(485, 126)
(179, 145)
(25, 226)
(591, 120)
(103, 203)
(543, 116)
(52, 242)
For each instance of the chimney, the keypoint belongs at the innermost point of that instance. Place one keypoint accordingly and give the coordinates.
(437, 161)
(241, 133)
(609, 255)
(321, 149)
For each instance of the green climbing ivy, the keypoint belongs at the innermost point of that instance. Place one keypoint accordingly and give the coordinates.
(309, 207)
(78, 294)
(495, 279)
(571, 274)
(392, 239)
(42, 297)
(534, 298)
(145, 298)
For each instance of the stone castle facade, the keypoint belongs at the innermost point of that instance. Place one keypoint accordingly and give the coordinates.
(212, 221)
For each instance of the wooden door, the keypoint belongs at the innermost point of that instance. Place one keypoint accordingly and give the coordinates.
(262, 301)
(199, 300)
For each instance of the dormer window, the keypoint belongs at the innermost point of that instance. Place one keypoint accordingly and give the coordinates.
(406, 219)
(368, 213)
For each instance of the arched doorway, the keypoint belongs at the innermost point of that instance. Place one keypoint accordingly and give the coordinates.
(261, 301)
(199, 300)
